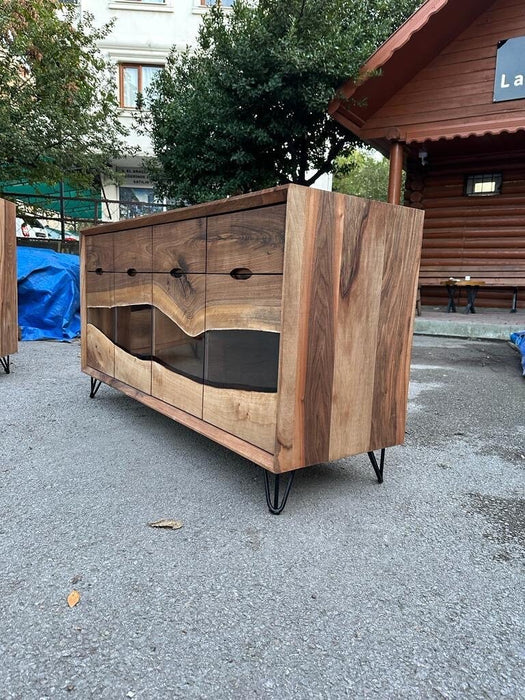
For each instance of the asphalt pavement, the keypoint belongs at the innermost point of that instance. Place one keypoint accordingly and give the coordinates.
(409, 589)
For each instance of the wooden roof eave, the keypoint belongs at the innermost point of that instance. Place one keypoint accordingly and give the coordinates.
(398, 60)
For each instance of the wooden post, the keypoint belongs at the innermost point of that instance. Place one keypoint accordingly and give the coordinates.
(396, 172)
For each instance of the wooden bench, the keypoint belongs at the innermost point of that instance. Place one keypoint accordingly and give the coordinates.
(504, 276)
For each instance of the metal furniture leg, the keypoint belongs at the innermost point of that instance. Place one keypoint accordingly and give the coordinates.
(4, 361)
(451, 289)
(378, 468)
(514, 307)
(95, 386)
(273, 503)
(471, 299)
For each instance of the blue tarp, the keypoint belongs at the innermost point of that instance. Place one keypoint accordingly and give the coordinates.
(48, 294)
(519, 340)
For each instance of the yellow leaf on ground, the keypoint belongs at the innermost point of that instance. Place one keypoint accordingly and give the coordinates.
(171, 524)
(73, 598)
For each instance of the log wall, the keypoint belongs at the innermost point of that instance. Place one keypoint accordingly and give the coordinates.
(480, 236)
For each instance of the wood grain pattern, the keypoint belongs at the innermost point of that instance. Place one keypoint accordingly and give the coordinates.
(128, 291)
(176, 390)
(396, 320)
(98, 252)
(8, 280)
(361, 265)
(99, 289)
(343, 380)
(252, 304)
(132, 370)
(252, 200)
(297, 282)
(252, 239)
(241, 447)
(133, 250)
(182, 299)
(181, 244)
(249, 415)
(348, 282)
(100, 351)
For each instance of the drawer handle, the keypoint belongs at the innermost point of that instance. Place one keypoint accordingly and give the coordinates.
(132, 272)
(241, 273)
(177, 272)
(99, 271)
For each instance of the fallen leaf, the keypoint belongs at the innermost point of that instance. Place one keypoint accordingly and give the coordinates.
(170, 524)
(73, 598)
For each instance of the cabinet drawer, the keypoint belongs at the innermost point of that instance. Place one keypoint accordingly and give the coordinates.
(132, 250)
(252, 239)
(129, 289)
(180, 245)
(99, 289)
(98, 252)
(249, 304)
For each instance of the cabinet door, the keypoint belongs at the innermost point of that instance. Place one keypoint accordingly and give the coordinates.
(133, 329)
(100, 322)
(252, 239)
(99, 252)
(180, 246)
(132, 250)
(242, 356)
(178, 340)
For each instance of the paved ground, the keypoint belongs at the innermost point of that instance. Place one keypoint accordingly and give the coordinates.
(412, 589)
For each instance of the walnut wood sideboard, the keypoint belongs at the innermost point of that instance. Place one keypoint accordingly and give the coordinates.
(8, 279)
(277, 323)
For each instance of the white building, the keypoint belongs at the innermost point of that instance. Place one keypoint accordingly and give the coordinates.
(143, 34)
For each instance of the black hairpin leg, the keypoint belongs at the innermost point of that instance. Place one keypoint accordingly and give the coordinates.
(378, 468)
(95, 386)
(4, 361)
(273, 503)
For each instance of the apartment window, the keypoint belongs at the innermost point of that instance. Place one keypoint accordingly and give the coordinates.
(483, 184)
(224, 3)
(134, 79)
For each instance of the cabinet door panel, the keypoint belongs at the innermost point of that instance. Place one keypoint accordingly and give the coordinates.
(249, 304)
(132, 289)
(100, 322)
(249, 415)
(252, 239)
(181, 299)
(133, 330)
(180, 245)
(178, 347)
(132, 250)
(99, 252)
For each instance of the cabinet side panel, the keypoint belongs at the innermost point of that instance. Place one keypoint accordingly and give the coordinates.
(307, 342)
(396, 321)
(8, 280)
(358, 291)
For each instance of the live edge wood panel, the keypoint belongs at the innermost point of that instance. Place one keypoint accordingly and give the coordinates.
(8, 278)
(333, 277)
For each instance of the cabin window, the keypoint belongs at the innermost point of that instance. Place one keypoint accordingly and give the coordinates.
(483, 184)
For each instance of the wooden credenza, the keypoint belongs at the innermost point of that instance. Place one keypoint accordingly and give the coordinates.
(8, 280)
(277, 323)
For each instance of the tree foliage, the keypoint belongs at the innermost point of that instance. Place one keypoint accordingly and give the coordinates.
(247, 107)
(58, 109)
(362, 173)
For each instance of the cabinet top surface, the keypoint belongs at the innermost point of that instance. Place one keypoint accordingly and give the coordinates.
(252, 200)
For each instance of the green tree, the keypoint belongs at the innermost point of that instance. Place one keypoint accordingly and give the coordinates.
(58, 109)
(247, 107)
(362, 173)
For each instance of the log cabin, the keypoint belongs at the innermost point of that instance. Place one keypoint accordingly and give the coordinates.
(444, 99)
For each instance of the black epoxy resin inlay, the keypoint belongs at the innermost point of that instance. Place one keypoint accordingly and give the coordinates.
(227, 359)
